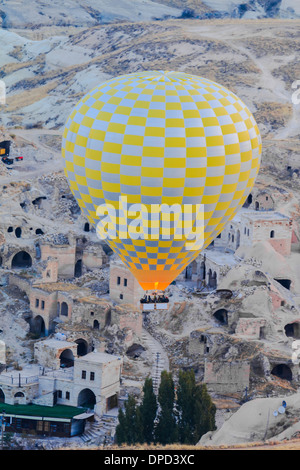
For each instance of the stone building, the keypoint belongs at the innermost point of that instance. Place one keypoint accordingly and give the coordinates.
(250, 227)
(245, 230)
(92, 381)
(123, 287)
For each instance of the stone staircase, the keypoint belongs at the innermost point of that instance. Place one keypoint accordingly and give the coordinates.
(101, 431)
(160, 359)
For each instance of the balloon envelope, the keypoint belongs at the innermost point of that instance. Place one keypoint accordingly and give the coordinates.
(160, 138)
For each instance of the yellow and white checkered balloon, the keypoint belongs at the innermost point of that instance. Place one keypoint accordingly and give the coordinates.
(161, 138)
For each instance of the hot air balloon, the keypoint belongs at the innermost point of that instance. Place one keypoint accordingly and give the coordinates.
(151, 140)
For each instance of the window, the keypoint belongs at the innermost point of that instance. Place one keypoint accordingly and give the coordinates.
(37, 302)
(92, 314)
(43, 305)
(83, 374)
(59, 393)
(92, 376)
(121, 296)
(118, 281)
(272, 234)
(39, 426)
(125, 282)
(67, 395)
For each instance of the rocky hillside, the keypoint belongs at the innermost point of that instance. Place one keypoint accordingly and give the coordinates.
(250, 9)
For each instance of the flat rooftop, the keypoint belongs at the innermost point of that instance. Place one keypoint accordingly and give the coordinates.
(262, 215)
(220, 257)
(98, 357)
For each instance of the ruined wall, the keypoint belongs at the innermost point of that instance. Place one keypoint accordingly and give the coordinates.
(281, 230)
(87, 311)
(47, 352)
(226, 377)
(65, 254)
(251, 327)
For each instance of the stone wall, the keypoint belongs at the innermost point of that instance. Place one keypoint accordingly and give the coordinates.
(251, 327)
(123, 287)
(65, 254)
(226, 377)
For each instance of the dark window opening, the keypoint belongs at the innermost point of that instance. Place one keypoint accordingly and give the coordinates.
(82, 347)
(272, 234)
(292, 330)
(86, 227)
(64, 309)
(125, 282)
(282, 371)
(118, 280)
(66, 358)
(222, 316)
(285, 283)
(78, 268)
(21, 260)
(18, 232)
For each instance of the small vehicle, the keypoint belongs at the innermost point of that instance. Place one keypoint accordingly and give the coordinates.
(19, 158)
(7, 161)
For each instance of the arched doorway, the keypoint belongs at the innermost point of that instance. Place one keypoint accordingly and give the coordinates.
(78, 268)
(37, 326)
(96, 325)
(238, 239)
(82, 347)
(189, 272)
(22, 259)
(2, 396)
(292, 330)
(209, 274)
(19, 398)
(86, 227)
(282, 371)
(64, 310)
(214, 280)
(66, 358)
(86, 398)
(222, 316)
(202, 271)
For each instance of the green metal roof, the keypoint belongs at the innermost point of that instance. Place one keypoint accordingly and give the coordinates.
(57, 411)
